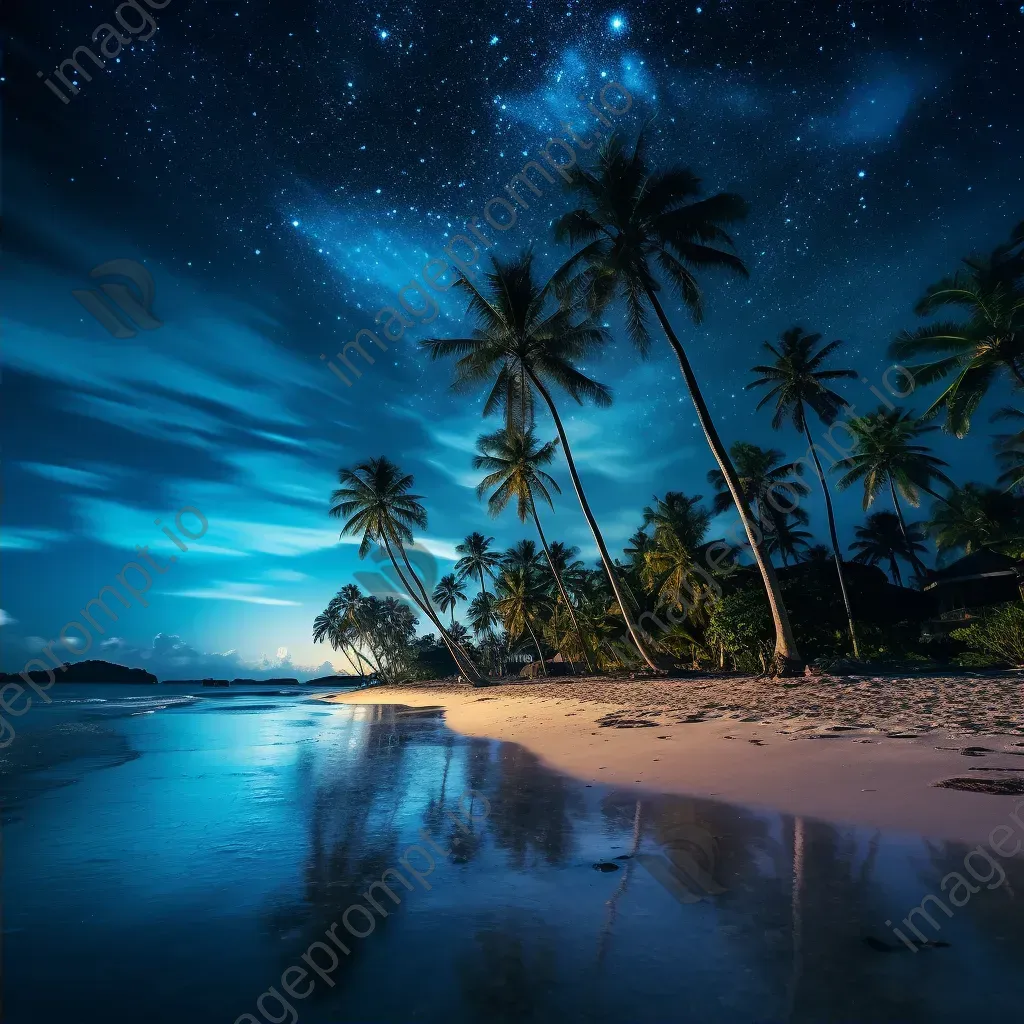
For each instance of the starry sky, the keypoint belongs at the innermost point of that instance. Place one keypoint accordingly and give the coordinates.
(282, 170)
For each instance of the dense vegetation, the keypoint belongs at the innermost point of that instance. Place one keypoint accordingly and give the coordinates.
(677, 597)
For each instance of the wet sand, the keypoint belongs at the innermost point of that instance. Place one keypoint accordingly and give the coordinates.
(863, 751)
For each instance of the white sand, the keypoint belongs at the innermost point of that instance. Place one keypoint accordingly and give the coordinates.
(763, 743)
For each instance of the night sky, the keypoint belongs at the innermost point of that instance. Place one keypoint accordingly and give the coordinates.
(282, 169)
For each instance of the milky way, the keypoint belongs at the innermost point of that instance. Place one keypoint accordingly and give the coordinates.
(283, 169)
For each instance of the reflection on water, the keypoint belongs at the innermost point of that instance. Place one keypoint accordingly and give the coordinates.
(170, 866)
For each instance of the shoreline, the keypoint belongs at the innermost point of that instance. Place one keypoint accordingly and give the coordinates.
(714, 738)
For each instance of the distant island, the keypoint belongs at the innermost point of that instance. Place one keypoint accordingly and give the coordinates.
(106, 672)
(89, 672)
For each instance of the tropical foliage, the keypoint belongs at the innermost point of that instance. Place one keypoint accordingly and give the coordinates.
(683, 590)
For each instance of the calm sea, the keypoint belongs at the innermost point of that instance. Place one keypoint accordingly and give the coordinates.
(170, 854)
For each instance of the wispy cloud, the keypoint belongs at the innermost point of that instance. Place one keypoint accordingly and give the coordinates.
(67, 475)
(223, 591)
(28, 538)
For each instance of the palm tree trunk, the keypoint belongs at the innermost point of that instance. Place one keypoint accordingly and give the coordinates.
(462, 662)
(360, 657)
(787, 660)
(911, 554)
(533, 637)
(561, 588)
(454, 646)
(627, 611)
(832, 533)
(894, 568)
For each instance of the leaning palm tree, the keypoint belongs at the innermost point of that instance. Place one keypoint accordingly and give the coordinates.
(477, 559)
(885, 453)
(885, 538)
(329, 625)
(350, 603)
(797, 381)
(523, 349)
(633, 221)
(974, 517)
(763, 479)
(521, 597)
(514, 460)
(375, 502)
(448, 593)
(986, 344)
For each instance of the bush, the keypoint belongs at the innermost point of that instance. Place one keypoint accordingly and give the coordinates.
(999, 636)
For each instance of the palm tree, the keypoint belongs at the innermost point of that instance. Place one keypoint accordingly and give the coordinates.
(569, 567)
(330, 625)
(885, 453)
(522, 555)
(988, 343)
(477, 559)
(349, 603)
(448, 593)
(375, 501)
(884, 537)
(631, 219)
(524, 351)
(973, 517)
(797, 382)
(520, 597)
(762, 478)
(677, 514)
(786, 539)
(1010, 451)
(482, 615)
(514, 460)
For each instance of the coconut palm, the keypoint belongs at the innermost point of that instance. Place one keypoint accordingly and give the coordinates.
(524, 350)
(763, 480)
(1010, 451)
(477, 559)
(681, 516)
(482, 615)
(329, 626)
(460, 634)
(514, 460)
(636, 547)
(448, 593)
(884, 453)
(522, 555)
(986, 344)
(375, 502)
(973, 517)
(348, 604)
(568, 565)
(785, 539)
(633, 221)
(521, 597)
(797, 381)
(885, 537)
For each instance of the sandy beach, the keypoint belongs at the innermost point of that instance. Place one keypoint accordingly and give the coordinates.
(864, 751)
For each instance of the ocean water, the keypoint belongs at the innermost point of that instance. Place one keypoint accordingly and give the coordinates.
(218, 856)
